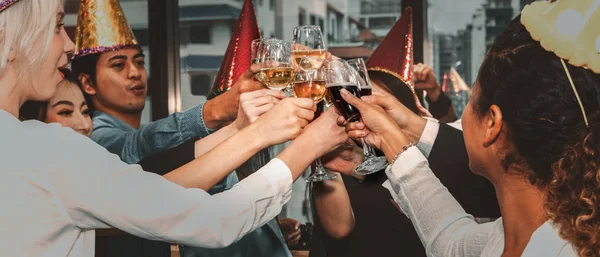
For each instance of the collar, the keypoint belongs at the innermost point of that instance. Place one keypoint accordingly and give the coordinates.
(103, 119)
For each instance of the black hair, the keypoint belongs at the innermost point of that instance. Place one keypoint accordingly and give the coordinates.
(37, 110)
(398, 88)
(86, 65)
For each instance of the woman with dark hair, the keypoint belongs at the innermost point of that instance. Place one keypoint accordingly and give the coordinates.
(68, 107)
(528, 106)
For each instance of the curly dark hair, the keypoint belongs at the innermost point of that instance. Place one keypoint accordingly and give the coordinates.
(573, 195)
(545, 125)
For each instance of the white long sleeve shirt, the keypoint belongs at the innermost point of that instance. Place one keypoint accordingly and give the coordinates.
(443, 226)
(57, 187)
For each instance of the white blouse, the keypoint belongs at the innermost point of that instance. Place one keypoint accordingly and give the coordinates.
(57, 187)
(443, 226)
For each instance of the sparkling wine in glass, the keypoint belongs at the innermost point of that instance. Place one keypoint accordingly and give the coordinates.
(276, 70)
(310, 84)
(307, 41)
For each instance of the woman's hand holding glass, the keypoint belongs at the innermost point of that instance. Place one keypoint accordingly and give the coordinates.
(254, 104)
(377, 127)
(284, 122)
(324, 134)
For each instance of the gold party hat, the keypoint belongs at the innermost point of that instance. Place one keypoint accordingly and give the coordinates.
(568, 28)
(102, 27)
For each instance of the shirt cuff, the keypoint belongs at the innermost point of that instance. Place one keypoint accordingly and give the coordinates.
(280, 178)
(428, 137)
(387, 185)
(268, 189)
(194, 121)
(406, 163)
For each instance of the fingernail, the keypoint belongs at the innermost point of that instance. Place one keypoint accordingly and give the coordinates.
(344, 91)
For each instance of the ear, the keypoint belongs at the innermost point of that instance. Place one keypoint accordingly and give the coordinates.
(88, 86)
(493, 125)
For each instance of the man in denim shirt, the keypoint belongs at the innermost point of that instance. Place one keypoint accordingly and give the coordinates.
(115, 84)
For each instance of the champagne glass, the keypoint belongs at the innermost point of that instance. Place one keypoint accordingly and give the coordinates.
(276, 61)
(310, 83)
(254, 46)
(307, 41)
(372, 163)
(256, 50)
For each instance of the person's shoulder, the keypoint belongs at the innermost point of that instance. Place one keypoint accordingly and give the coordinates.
(103, 120)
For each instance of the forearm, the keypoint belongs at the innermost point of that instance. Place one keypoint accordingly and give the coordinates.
(217, 113)
(333, 207)
(208, 143)
(210, 168)
(441, 223)
(413, 128)
(299, 155)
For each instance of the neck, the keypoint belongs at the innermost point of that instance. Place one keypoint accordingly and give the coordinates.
(10, 97)
(132, 119)
(522, 208)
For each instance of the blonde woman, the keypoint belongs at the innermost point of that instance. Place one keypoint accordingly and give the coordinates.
(57, 187)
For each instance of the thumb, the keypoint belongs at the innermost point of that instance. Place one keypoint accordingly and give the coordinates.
(254, 68)
(304, 103)
(353, 100)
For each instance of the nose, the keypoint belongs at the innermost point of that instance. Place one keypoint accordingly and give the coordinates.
(69, 46)
(134, 72)
(81, 125)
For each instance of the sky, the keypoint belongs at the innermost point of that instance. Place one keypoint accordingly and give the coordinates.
(448, 16)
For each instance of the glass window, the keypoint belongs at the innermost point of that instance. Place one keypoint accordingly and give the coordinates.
(136, 12)
(200, 84)
(195, 32)
(461, 32)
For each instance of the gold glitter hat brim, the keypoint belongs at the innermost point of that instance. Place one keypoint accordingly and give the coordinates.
(6, 3)
(102, 27)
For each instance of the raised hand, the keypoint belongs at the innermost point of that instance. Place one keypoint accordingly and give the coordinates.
(256, 103)
(223, 109)
(376, 126)
(324, 133)
(425, 80)
(285, 121)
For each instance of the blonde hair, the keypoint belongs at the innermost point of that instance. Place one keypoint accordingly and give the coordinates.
(27, 28)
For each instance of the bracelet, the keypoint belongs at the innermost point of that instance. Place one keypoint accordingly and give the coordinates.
(404, 149)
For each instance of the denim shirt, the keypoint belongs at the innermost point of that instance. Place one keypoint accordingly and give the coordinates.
(134, 145)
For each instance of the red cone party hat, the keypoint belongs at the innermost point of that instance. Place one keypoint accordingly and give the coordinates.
(394, 55)
(237, 57)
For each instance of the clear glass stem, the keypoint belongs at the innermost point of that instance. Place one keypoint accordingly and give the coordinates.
(367, 149)
(319, 169)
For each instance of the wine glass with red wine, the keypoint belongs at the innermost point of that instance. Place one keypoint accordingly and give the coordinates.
(372, 163)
